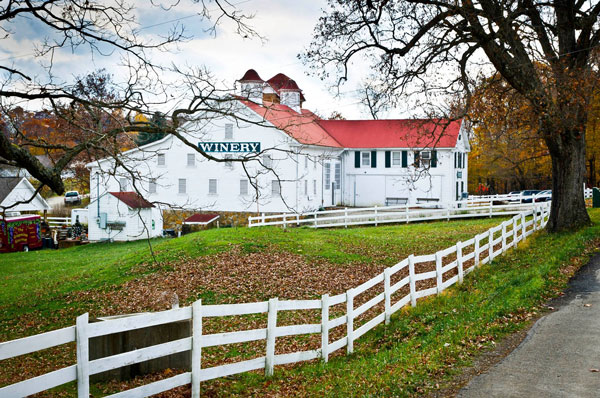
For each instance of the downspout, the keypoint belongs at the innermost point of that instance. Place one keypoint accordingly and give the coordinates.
(297, 176)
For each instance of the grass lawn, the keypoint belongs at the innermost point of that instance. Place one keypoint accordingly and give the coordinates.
(421, 348)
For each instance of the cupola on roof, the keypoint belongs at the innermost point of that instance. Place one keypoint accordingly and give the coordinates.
(251, 76)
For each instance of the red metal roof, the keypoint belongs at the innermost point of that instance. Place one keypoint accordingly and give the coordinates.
(201, 218)
(251, 76)
(132, 199)
(400, 133)
(303, 127)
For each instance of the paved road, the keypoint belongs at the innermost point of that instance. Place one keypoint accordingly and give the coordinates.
(555, 358)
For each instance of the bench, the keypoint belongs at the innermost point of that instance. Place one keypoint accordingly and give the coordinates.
(395, 201)
(427, 200)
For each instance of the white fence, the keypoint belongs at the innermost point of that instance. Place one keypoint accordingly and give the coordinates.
(470, 254)
(57, 222)
(472, 207)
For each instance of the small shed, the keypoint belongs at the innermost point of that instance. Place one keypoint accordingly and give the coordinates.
(123, 216)
(18, 189)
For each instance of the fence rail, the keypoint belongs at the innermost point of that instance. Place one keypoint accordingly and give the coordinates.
(472, 207)
(57, 222)
(482, 249)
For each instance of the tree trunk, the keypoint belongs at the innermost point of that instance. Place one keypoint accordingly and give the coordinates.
(568, 211)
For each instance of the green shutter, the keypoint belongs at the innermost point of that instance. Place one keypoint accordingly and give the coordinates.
(404, 158)
(373, 159)
(434, 158)
(356, 159)
(388, 159)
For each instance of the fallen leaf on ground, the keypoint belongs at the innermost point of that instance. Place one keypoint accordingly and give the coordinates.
(593, 370)
(587, 305)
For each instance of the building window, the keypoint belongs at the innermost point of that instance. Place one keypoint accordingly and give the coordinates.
(365, 159)
(423, 158)
(122, 184)
(161, 159)
(229, 164)
(338, 175)
(212, 186)
(182, 185)
(243, 187)
(267, 161)
(275, 188)
(306, 187)
(396, 158)
(327, 173)
(191, 159)
(315, 187)
(229, 131)
(152, 186)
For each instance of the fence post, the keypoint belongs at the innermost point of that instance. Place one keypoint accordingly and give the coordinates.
(476, 250)
(503, 237)
(263, 218)
(83, 356)
(271, 329)
(387, 294)
(490, 244)
(375, 215)
(297, 219)
(350, 320)
(407, 219)
(345, 217)
(315, 221)
(534, 218)
(523, 227)
(515, 235)
(438, 272)
(459, 261)
(196, 347)
(411, 280)
(491, 207)
(325, 327)
(284, 221)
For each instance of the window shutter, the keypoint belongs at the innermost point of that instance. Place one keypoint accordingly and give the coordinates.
(464, 159)
(388, 159)
(373, 159)
(356, 159)
(434, 158)
(404, 158)
(455, 160)
(416, 159)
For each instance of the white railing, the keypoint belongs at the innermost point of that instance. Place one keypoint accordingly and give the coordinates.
(481, 249)
(57, 222)
(472, 207)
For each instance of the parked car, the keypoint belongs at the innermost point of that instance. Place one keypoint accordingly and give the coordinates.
(514, 197)
(72, 198)
(22, 233)
(544, 196)
(527, 196)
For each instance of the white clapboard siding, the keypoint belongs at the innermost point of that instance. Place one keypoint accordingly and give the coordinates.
(517, 229)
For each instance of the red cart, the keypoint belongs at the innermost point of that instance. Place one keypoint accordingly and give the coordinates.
(22, 233)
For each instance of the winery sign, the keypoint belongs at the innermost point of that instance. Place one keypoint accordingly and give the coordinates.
(229, 146)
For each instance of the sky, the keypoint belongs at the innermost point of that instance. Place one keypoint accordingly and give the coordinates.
(287, 26)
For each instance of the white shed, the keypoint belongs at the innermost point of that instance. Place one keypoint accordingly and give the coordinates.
(17, 189)
(123, 216)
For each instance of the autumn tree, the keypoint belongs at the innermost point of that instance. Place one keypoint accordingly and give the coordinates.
(430, 47)
(507, 151)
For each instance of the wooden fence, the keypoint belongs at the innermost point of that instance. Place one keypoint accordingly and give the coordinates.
(463, 257)
(472, 207)
(58, 222)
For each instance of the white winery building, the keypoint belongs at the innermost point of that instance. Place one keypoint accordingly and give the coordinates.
(293, 160)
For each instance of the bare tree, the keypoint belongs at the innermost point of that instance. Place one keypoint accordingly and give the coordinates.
(101, 29)
(543, 49)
